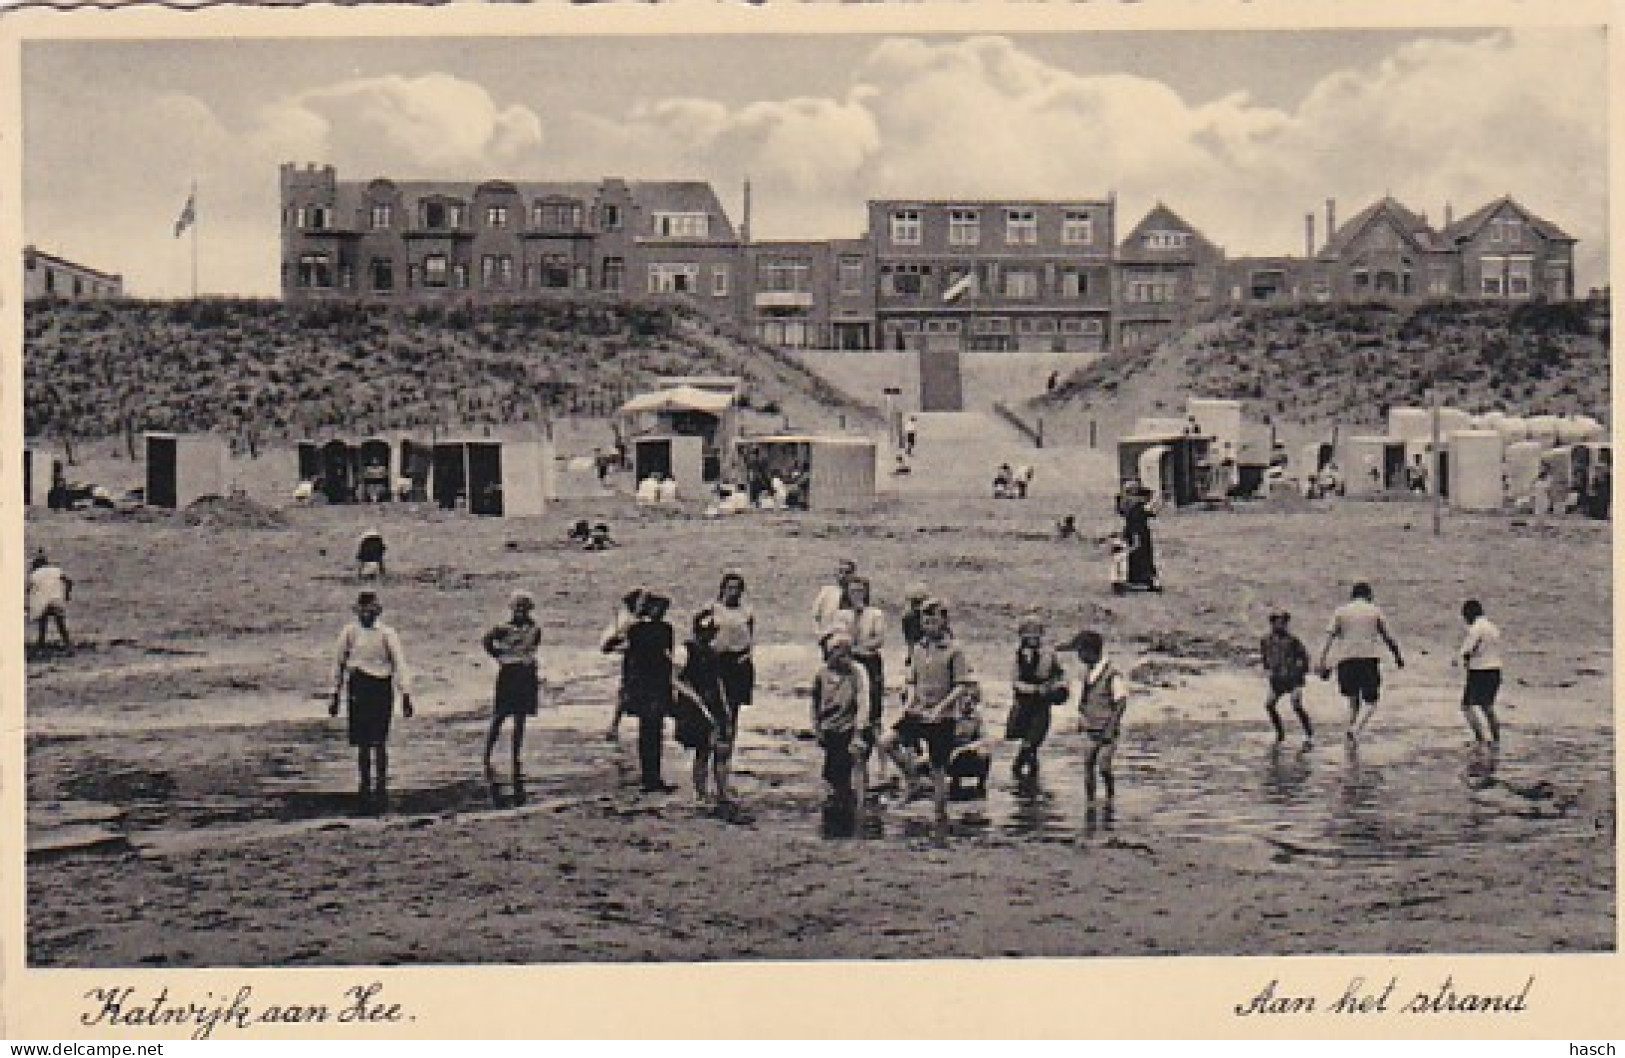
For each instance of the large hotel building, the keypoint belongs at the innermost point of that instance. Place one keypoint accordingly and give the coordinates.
(971, 274)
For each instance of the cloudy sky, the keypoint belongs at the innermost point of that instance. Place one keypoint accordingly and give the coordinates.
(1240, 132)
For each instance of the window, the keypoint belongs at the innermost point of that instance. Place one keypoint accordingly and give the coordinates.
(78, 287)
(905, 227)
(318, 218)
(434, 270)
(315, 270)
(1021, 227)
(778, 277)
(1020, 283)
(964, 227)
(683, 225)
(851, 275)
(1078, 227)
(1074, 284)
(719, 281)
(942, 326)
(609, 217)
(904, 280)
(383, 273)
(1519, 281)
(1492, 276)
(496, 270)
(1080, 325)
(561, 215)
(1151, 290)
(1438, 280)
(1557, 280)
(555, 271)
(1204, 289)
(496, 216)
(1167, 240)
(1507, 230)
(993, 325)
(50, 279)
(459, 275)
(674, 278)
(437, 216)
(382, 216)
(614, 273)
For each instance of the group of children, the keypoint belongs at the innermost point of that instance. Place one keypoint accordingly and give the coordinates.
(940, 734)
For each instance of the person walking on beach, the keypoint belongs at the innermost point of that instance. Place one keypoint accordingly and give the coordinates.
(1037, 684)
(613, 641)
(372, 665)
(1286, 660)
(735, 643)
(1360, 631)
(827, 605)
(938, 676)
(1142, 561)
(514, 644)
(49, 590)
(1102, 700)
(840, 698)
(705, 719)
(646, 680)
(1481, 656)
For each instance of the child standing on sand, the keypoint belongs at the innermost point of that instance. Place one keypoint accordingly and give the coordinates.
(1286, 660)
(705, 721)
(1101, 703)
(840, 704)
(372, 663)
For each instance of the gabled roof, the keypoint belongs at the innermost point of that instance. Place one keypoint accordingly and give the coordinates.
(1132, 249)
(1469, 226)
(1410, 225)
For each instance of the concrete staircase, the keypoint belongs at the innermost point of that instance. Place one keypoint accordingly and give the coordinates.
(957, 453)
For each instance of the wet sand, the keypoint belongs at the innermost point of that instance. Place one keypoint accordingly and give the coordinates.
(191, 804)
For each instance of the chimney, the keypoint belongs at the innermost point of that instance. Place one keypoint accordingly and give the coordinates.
(744, 226)
(1331, 218)
(1449, 214)
(1308, 235)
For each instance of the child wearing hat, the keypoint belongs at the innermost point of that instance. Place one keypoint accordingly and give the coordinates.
(1037, 683)
(514, 644)
(372, 665)
(1286, 660)
(1101, 701)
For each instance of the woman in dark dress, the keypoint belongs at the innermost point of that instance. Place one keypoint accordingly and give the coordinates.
(1142, 560)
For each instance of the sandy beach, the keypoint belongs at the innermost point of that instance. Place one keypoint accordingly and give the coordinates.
(191, 804)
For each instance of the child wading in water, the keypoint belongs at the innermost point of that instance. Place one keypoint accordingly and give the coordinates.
(1100, 712)
(1038, 684)
(371, 661)
(514, 644)
(705, 722)
(1286, 660)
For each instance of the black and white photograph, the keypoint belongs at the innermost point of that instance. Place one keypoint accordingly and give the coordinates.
(757, 497)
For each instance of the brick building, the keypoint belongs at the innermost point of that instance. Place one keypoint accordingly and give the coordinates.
(1165, 278)
(417, 242)
(48, 276)
(993, 275)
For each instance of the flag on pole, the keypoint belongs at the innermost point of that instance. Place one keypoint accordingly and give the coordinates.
(188, 215)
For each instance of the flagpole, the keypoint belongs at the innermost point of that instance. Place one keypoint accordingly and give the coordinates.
(192, 200)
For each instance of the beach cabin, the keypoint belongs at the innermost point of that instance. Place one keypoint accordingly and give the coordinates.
(181, 468)
(375, 457)
(678, 457)
(1592, 477)
(708, 413)
(1477, 476)
(1222, 421)
(416, 467)
(1167, 464)
(1373, 465)
(499, 479)
(839, 471)
(1522, 467)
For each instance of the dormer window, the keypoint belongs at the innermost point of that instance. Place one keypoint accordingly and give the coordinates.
(1167, 240)
(683, 225)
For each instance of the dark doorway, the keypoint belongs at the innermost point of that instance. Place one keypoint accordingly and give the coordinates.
(338, 472)
(450, 474)
(162, 486)
(485, 477)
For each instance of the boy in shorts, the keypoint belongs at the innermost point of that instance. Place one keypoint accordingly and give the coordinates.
(1037, 684)
(1101, 702)
(939, 675)
(372, 664)
(1481, 656)
(1287, 662)
(840, 705)
(1360, 630)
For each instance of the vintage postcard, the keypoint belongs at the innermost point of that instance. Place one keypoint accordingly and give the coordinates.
(1086, 521)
